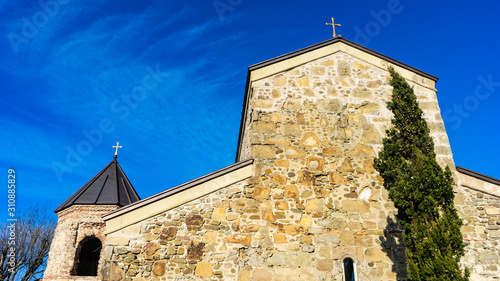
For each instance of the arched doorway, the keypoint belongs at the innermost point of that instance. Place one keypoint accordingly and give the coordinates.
(88, 257)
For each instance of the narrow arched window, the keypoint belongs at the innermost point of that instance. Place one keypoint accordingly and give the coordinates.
(349, 273)
(88, 257)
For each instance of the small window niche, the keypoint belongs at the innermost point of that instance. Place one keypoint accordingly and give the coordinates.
(349, 267)
(87, 259)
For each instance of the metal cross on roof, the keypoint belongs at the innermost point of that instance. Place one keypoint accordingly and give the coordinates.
(117, 146)
(333, 24)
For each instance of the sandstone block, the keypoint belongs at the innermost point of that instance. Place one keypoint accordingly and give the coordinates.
(361, 150)
(310, 140)
(279, 238)
(315, 163)
(374, 254)
(292, 152)
(219, 214)
(159, 268)
(244, 276)
(305, 220)
(262, 104)
(293, 104)
(277, 139)
(239, 239)
(347, 238)
(168, 233)
(290, 229)
(292, 130)
(306, 178)
(490, 210)
(203, 269)
(303, 81)
(330, 105)
(324, 264)
(291, 191)
(277, 178)
(281, 205)
(261, 274)
(346, 166)
(332, 151)
(250, 228)
(278, 258)
(280, 81)
(362, 93)
(261, 192)
(194, 222)
(209, 237)
(337, 179)
(315, 206)
(195, 250)
(263, 151)
(264, 127)
(151, 250)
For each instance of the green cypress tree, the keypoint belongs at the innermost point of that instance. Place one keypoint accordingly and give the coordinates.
(421, 191)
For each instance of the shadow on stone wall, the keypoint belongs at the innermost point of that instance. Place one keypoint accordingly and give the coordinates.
(393, 245)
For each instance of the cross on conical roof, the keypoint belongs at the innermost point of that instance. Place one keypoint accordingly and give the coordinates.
(109, 187)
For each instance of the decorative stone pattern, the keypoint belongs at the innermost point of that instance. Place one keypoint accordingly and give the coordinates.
(74, 224)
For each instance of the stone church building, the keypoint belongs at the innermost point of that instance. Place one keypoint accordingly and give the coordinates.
(302, 201)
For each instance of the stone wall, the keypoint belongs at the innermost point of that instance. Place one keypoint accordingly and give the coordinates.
(314, 199)
(480, 212)
(74, 224)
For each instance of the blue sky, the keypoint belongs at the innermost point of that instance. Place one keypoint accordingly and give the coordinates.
(166, 79)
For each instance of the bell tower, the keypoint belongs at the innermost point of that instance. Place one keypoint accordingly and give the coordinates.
(76, 249)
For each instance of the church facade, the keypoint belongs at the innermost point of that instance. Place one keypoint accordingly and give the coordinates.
(302, 201)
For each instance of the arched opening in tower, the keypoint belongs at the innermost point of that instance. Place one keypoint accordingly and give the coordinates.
(88, 257)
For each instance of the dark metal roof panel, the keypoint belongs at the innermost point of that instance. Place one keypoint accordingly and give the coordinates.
(109, 187)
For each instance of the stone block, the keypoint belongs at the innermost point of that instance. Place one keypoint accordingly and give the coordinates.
(279, 238)
(305, 220)
(362, 150)
(487, 257)
(203, 269)
(250, 228)
(261, 274)
(159, 268)
(261, 192)
(374, 254)
(337, 179)
(291, 191)
(264, 127)
(219, 214)
(277, 139)
(310, 140)
(347, 238)
(263, 151)
(346, 166)
(303, 81)
(490, 210)
(280, 81)
(278, 258)
(293, 104)
(194, 222)
(152, 250)
(315, 206)
(244, 276)
(281, 205)
(195, 250)
(292, 152)
(168, 233)
(290, 229)
(209, 237)
(306, 178)
(239, 239)
(324, 264)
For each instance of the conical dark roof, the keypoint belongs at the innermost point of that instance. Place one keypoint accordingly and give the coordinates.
(109, 187)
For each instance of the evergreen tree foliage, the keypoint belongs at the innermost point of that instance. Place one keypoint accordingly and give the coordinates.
(421, 191)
